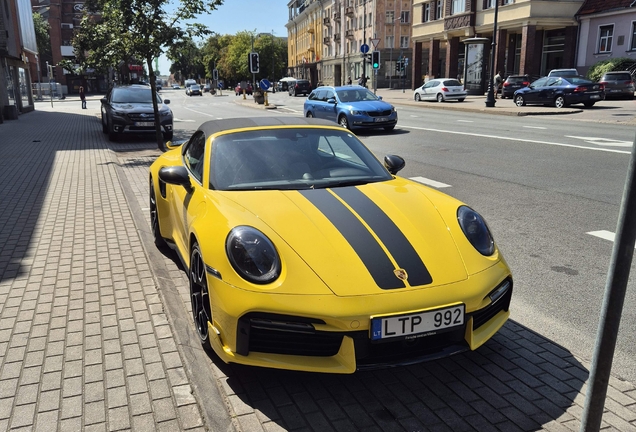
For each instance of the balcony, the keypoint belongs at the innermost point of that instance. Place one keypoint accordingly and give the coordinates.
(326, 40)
(349, 10)
(326, 21)
(349, 34)
(336, 16)
(336, 37)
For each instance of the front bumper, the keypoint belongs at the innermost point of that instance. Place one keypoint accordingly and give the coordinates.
(137, 126)
(298, 334)
(367, 121)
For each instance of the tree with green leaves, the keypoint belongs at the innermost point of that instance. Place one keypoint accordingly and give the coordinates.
(115, 31)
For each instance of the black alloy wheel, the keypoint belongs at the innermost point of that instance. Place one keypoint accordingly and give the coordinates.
(199, 296)
(154, 219)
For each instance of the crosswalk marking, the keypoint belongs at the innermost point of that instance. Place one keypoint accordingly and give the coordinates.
(605, 235)
(430, 182)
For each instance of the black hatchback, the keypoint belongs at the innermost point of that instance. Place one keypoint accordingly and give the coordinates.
(618, 84)
(512, 84)
(301, 86)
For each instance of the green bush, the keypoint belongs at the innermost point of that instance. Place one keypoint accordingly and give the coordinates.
(596, 72)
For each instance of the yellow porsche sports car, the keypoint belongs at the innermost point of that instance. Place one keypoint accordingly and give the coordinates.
(305, 252)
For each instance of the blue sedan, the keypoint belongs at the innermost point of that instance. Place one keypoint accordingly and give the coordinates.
(560, 92)
(351, 107)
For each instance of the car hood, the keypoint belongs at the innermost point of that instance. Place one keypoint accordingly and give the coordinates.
(367, 106)
(138, 107)
(367, 239)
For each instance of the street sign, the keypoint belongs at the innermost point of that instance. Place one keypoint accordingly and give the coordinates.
(374, 42)
(264, 84)
(364, 48)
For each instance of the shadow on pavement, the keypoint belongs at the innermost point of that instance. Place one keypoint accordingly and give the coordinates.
(518, 380)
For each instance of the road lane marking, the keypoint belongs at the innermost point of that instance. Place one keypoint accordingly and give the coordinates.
(605, 235)
(535, 127)
(497, 137)
(602, 141)
(186, 121)
(465, 121)
(430, 182)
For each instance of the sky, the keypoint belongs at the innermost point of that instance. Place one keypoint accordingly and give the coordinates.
(233, 16)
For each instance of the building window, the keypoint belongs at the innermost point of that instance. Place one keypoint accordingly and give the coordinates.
(390, 17)
(458, 6)
(404, 41)
(370, 19)
(426, 12)
(632, 45)
(605, 38)
(438, 9)
(489, 4)
(505, 2)
(389, 41)
(404, 17)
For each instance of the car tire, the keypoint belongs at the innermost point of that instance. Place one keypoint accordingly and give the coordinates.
(112, 135)
(343, 121)
(418, 97)
(520, 101)
(460, 100)
(104, 124)
(200, 296)
(309, 114)
(559, 102)
(160, 242)
(588, 104)
(389, 128)
(167, 136)
(440, 97)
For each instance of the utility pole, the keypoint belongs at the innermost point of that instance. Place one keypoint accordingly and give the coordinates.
(364, 41)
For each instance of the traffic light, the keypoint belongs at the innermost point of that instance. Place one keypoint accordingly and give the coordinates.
(375, 59)
(398, 66)
(215, 74)
(254, 64)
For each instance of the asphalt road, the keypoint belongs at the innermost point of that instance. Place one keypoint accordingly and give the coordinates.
(550, 188)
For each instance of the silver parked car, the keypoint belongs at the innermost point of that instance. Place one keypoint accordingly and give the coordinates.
(441, 90)
(618, 84)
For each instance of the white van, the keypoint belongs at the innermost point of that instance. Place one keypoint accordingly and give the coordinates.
(188, 83)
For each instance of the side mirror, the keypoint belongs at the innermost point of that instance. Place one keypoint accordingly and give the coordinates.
(393, 163)
(176, 175)
(380, 97)
(166, 101)
(331, 100)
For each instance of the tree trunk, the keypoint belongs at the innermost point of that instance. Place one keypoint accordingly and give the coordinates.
(153, 89)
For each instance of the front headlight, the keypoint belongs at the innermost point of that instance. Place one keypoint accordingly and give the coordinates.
(476, 230)
(393, 108)
(355, 112)
(252, 255)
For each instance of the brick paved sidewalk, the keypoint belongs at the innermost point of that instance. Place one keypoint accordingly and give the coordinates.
(518, 381)
(85, 343)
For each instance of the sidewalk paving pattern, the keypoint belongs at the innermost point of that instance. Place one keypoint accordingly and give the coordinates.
(96, 331)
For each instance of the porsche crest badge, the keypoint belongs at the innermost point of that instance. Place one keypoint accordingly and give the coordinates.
(401, 274)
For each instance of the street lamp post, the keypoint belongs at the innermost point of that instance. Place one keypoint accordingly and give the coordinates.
(490, 96)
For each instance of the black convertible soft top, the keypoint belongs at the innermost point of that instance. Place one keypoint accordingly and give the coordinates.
(214, 126)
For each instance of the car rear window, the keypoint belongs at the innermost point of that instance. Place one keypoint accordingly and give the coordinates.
(517, 79)
(452, 83)
(617, 77)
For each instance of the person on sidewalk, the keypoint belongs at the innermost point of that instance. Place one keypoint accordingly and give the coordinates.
(349, 80)
(82, 97)
(497, 81)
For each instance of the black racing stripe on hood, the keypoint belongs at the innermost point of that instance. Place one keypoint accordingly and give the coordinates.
(363, 243)
(390, 235)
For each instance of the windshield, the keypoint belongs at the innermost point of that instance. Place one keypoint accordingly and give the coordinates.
(292, 158)
(356, 95)
(141, 95)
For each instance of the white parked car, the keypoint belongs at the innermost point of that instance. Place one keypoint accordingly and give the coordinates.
(441, 90)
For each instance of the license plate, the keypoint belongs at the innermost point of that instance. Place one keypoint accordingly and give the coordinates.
(418, 324)
(595, 97)
(616, 91)
(144, 124)
(381, 119)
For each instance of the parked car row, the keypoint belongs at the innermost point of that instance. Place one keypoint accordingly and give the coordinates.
(561, 88)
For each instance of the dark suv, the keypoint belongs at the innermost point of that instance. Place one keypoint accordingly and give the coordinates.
(301, 86)
(514, 83)
(618, 84)
(129, 110)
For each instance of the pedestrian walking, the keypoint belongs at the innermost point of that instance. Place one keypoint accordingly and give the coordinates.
(349, 80)
(497, 81)
(82, 97)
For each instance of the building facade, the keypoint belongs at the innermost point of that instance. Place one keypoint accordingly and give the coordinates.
(326, 40)
(533, 36)
(17, 45)
(607, 30)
